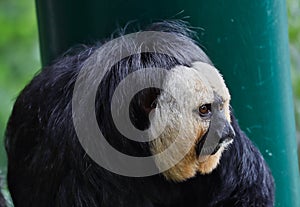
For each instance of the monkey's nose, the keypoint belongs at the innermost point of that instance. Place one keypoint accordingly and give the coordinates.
(227, 133)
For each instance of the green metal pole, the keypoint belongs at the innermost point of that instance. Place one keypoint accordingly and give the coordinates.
(247, 40)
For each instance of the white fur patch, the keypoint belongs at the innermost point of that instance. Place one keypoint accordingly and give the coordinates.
(185, 89)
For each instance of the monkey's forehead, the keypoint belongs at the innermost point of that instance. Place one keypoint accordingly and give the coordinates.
(214, 78)
(201, 81)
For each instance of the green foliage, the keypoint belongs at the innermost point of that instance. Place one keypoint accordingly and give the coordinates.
(19, 60)
(294, 36)
(19, 55)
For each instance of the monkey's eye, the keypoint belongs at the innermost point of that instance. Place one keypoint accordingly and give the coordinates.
(205, 110)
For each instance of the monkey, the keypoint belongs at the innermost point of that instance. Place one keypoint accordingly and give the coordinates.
(212, 163)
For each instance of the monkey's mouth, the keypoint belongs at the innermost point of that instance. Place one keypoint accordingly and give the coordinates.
(211, 150)
(222, 142)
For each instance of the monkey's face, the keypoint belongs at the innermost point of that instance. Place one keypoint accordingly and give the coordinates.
(193, 109)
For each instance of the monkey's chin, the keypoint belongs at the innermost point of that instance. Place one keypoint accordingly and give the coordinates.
(206, 164)
(191, 165)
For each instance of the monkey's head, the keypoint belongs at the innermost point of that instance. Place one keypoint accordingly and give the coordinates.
(184, 108)
(199, 115)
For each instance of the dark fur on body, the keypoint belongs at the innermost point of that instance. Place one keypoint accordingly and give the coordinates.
(48, 167)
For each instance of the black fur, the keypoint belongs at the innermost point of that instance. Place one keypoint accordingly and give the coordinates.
(48, 167)
(2, 200)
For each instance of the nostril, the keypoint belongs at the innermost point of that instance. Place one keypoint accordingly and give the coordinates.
(228, 133)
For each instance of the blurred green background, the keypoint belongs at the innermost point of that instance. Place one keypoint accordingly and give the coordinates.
(20, 60)
(19, 54)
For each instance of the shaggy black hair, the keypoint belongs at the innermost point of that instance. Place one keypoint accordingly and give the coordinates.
(48, 167)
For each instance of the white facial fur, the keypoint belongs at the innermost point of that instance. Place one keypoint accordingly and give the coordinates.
(190, 87)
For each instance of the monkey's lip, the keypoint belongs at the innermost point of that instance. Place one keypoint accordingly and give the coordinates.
(211, 150)
(223, 142)
(216, 149)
